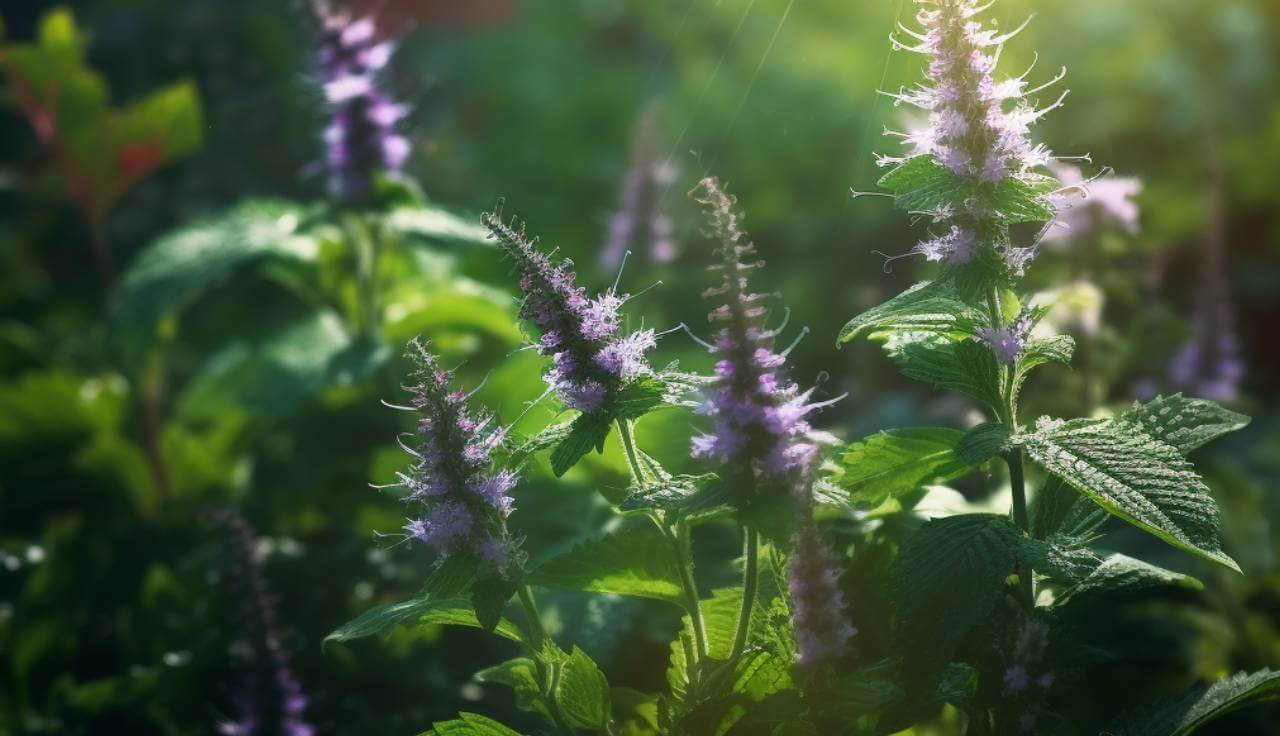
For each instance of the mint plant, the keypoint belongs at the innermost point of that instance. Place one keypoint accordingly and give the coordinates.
(983, 631)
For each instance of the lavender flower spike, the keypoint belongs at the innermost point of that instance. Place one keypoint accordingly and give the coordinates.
(640, 223)
(759, 415)
(465, 505)
(592, 359)
(361, 137)
(818, 614)
(977, 127)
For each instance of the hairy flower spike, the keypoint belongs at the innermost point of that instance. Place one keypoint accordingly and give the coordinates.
(591, 359)
(977, 127)
(759, 416)
(465, 504)
(361, 136)
(818, 614)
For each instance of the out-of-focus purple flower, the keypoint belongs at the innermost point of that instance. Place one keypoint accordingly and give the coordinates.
(977, 127)
(591, 358)
(361, 138)
(640, 224)
(272, 693)
(464, 504)
(1086, 206)
(1027, 680)
(759, 416)
(818, 614)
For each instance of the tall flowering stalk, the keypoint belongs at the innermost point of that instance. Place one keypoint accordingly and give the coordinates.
(759, 415)
(361, 138)
(640, 223)
(819, 617)
(978, 131)
(276, 705)
(592, 358)
(464, 503)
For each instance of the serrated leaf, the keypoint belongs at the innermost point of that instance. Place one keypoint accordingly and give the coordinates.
(920, 183)
(1059, 508)
(983, 442)
(955, 565)
(959, 365)
(898, 461)
(1042, 350)
(638, 398)
(435, 223)
(679, 495)
(1184, 423)
(929, 306)
(586, 433)
(635, 560)
(1022, 199)
(1120, 572)
(182, 264)
(1134, 477)
(469, 724)
(1200, 706)
(521, 675)
(1060, 558)
(583, 692)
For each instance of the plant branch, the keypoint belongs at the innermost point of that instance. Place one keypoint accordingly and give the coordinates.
(750, 579)
(549, 676)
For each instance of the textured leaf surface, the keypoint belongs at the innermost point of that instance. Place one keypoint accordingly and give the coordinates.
(635, 560)
(983, 442)
(1060, 558)
(435, 223)
(587, 432)
(583, 692)
(1023, 199)
(1121, 572)
(470, 724)
(680, 494)
(949, 575)
(899, 461)
(959, 365)
(920, 183)
(930, 306)
(1134, 477)
(1203, 704)
(1185, 423)
(521, 675)
(1041, 350)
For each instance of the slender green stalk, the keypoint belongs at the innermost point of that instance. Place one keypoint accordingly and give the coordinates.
(365, 246)
(629, 447)
(1018, 485)
(549, 676)
(750, 578)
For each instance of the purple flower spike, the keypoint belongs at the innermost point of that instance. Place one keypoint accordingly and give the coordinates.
(1007, 343)
(640, 224)
(758, 415)
(465, 506)
(818, 614)
(591, 358)
(361, 137)
(976, 126)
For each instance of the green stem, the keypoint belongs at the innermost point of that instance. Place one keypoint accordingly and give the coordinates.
(629, 447)
(750, 578)
(549, 677)
(366, 253)
(1018, 485)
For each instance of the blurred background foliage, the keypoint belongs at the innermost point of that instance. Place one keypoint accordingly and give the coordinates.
(180, 330)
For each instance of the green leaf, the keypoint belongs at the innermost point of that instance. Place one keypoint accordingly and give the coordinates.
(1022, 199)
(948, 577)
(983, 442)
(435, 223)
(1183, 716)
(273, 377)
(638, 398)
(920, 183)
(1184, 423)
(1041, 350)
(469, 724)
(587, 432)
(521, 675)
(1059, 508)
(960, 365)
(489, 596)
(635, 560)
(634, 713)
(679, 495)
(1060, 558)
(176, 269)
(583, 692)
(1121, 572)
(898, 461)
(930, 306)
(1134, 477)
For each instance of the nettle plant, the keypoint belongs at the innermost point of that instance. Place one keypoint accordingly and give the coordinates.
(983, 604)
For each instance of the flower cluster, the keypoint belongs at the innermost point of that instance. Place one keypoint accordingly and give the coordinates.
(1084, 207)
(640, 223)
(465, 505)
(977, 127)
(1026, 680)
(591, 358)
(1008, 342)
(759, 415)
(264, 646)
(818, 614)
(361, 136)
